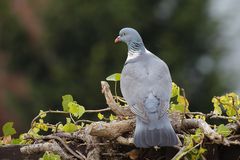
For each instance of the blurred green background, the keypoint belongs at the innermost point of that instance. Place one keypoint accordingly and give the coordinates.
(49, 48)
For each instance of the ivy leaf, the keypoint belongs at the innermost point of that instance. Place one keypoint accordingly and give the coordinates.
(69, 127)
(65, 100)
(42, 114)
(8, 129)
(112, 117)
(175, 90)
(177, 107)
(183, 101)
(50, 156)
(198, 136)
(114, 77)
(76, 109)
(100, 116)
(16, 141)
(230, 111)
(217, 109)
(223, 130)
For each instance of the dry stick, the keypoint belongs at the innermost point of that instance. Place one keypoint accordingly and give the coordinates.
(110, 130)
(70, 115)
(45, 146)
(98, 110)
(118, 110)
(84, 120)
(125, 141)
(79, 156)
(120, 99)
(223, 117)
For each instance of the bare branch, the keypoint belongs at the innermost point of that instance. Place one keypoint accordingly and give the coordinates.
(125, 141)
(118, 110)
(43, 147)
(110, 130)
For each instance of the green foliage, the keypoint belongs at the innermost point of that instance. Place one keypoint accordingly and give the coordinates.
(76, 109)
(228, 103)
(66, 99)
(8, 129)
(114, 77)
(216, 104)
(223, 130)
(175, 90)
(193, 143)
(100, 116)
(69, 126)
(192, 146)
(42, 114)
(50, 156)
(16, 141)
(41, 125)
(112, 117)
(178, 102)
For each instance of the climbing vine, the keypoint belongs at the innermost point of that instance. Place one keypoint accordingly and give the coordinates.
(57, 140)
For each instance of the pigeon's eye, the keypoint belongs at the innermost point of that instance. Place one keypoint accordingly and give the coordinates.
(124, 34)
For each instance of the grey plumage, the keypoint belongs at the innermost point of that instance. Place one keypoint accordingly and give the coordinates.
(146, 85)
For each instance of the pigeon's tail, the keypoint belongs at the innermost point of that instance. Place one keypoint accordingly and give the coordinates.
(157, 132)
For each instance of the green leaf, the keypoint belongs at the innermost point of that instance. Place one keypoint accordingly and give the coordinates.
(217, 109)
(76, 109)
(65, 100)
(177, 107)
(100, 116)
(68, 120)
(112, 117)
(175, 90)
(198, 136)
(223, 130)
(69, 127)
(42, 114)
(114, 77)
(230, 111)
(50, 156)
(16, 141)
(8, 130)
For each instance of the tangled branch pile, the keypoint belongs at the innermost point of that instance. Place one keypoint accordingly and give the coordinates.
(111, 138)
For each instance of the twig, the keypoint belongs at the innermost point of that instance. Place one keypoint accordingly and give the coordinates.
(43, 147)
(120, 99)
(64, 112)
(118, 110)
(114, 154)
(223, 117)
(46, 112)
(84, 120)
(110, 130)
(125, 141)
(70, 115)
(98, 110)
(82, 157)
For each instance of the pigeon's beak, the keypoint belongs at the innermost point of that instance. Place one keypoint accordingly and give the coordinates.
(118, 39)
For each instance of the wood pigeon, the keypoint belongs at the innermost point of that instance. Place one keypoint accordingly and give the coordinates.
(146, 85)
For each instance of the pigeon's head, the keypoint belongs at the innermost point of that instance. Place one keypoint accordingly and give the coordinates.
(128, 35)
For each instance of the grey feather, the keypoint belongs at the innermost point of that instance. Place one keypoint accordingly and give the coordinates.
(146, 85)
